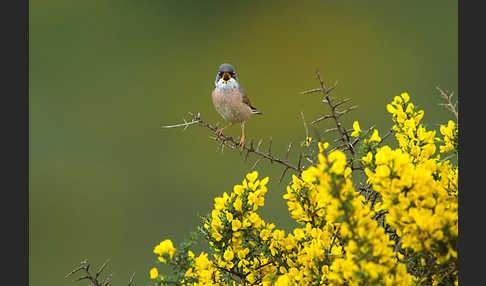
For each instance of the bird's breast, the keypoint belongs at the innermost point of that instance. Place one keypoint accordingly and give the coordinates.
(229, 104)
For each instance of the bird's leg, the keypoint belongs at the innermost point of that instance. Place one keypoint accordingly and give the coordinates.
(220, 130)
(242, 141)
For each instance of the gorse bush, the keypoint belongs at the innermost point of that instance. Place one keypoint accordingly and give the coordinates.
(399, 226)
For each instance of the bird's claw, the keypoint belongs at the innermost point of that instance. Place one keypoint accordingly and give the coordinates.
(219, 132)
(242, 143)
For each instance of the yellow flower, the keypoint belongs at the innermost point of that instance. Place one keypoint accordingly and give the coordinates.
(242, 253)
(252, 176)
(382, 171)
(347, 172)
(219, 203)
(238, 189)
(229, 216)
(189, 273)
(397, 100)
(235, 225)
(282, 280)
(410, 109)
(229, 254)
(264, 181)
(356, 129)
(238, 204)
(338, 158)
(308, 141)
(165, 247)
(202, 262)
(154, 273)
(405, 97)
(190, 254)
(368, 158)
(375, 137)
(322, 146)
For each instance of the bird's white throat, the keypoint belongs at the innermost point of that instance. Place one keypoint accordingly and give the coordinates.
(230, 84)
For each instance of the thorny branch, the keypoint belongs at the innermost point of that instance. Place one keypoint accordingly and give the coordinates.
(335, 115)
(233, 143)
(94, 279)
(345, 142)
(449, 105)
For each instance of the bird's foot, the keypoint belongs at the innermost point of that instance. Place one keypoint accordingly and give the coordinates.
(219, 132)
(242, 143)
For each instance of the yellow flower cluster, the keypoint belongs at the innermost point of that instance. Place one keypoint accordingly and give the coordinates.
(412, 136)
(338, 233)
(418, 192)
(420, 209)
(450, 137)
(165, 249)
(342, 243)
(375, 137)
(340, 240)
(236, 233)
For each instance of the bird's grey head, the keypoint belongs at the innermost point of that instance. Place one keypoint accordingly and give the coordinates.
(226, 77)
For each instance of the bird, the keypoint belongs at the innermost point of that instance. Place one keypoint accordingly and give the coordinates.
(230, 101)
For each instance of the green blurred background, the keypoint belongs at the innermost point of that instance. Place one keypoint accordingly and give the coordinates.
(107, 182)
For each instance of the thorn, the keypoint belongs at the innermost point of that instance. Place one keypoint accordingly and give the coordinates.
(256, 163)
(305, 125)
(248, 150)
(82, 278)
(288, 151)
(322, 118)
(332, 87)
(102, 267)
(270, 149)
(341, 102)
(283, 174)
(330, 129)
(259, 143)
(107, 280)
(347, 110)
(338, 139)
(131, 279)
(222, 145)
(300, 161)
(311, 91)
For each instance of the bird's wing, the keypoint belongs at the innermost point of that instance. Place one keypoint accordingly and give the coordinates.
(246, 101)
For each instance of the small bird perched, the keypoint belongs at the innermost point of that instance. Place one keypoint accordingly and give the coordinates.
(230, 101)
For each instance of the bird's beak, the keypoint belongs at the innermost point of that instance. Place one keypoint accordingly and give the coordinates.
(226, 76)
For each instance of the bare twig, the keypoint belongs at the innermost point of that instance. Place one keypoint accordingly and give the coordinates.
(283, 174)
(449, 105)
(390, 132)
(88, 276)
(335, 114)
(270, 148)
(185, 124)
(101, 268)
(311, 91)
(231, 142)
(94, 279)
(131, 279)
(305, 125)
(321, 118)
(256, 163)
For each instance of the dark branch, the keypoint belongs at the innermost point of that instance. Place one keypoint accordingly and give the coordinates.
(233, 143)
